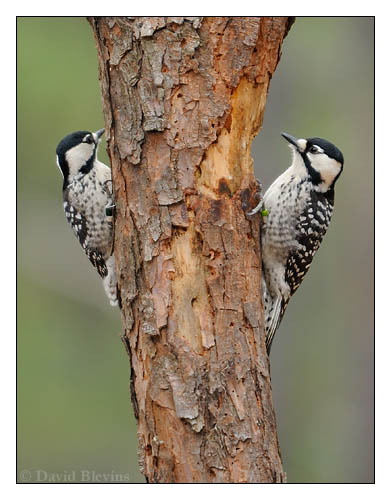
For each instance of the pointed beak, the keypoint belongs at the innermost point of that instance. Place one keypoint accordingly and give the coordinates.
(292, 140)
(98, 134)
(299, 144)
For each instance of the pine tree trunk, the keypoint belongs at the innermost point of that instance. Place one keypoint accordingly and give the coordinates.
(183, 98)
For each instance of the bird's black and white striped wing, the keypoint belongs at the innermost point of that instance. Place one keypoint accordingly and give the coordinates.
(80, 228)
(311, 228)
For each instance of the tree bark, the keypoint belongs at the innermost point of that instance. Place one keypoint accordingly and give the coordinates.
(183, 98)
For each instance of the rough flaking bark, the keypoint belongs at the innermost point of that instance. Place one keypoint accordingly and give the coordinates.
(183, 98)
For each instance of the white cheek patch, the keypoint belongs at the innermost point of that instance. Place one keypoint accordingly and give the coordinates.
(78, 156)
(331, 171)
(327, 167)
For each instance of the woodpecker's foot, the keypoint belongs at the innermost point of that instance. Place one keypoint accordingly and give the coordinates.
(108, 186)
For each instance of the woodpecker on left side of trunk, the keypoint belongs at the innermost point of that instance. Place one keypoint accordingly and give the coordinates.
(87, 197)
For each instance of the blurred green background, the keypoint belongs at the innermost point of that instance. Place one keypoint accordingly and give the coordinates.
(74, 415)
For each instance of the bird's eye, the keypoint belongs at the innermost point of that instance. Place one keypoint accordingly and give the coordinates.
(314, 150)
(89, 139)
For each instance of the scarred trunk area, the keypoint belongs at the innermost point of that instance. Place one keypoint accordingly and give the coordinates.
(183, 98)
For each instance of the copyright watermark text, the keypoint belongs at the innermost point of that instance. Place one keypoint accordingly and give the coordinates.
(72, 476)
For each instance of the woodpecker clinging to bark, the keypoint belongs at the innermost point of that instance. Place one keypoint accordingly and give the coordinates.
(299, 205)
(87, 196)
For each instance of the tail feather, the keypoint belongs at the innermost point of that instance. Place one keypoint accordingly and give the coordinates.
(272, 322)
(272, 319)
(110, 282)
(274, 308)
